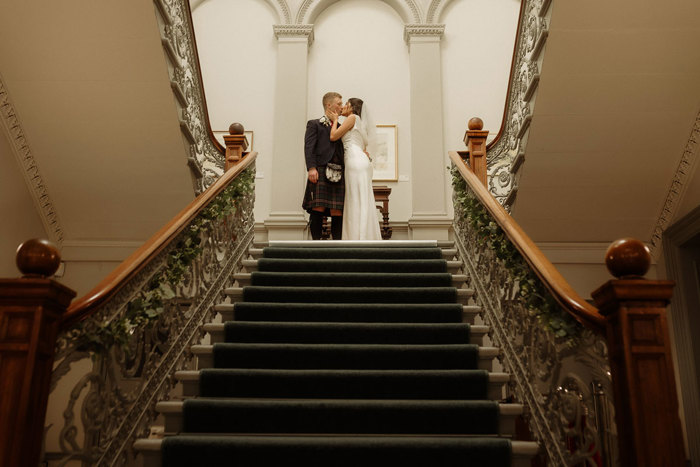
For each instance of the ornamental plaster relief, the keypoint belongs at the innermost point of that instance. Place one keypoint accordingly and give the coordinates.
(678, 185)
(423, 30)
(177, 33)
(294, 30)
(30, 169)
(308, 11)
(530, 40)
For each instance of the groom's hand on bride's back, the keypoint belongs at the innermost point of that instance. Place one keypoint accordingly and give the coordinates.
(313, 175)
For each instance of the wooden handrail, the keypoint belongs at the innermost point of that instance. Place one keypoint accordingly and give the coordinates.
(564, 294)
(86, 305)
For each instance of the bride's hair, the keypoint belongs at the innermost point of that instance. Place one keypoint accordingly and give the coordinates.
(356, 104)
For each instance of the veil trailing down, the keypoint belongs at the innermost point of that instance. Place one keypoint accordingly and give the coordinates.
(360, 220)
(370, 129)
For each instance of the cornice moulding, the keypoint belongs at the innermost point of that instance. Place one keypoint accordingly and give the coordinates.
(299, 31)
(28, 166)
(685, 168)
(412, 31)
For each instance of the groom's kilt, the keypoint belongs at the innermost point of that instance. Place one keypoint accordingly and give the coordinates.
(324, 193)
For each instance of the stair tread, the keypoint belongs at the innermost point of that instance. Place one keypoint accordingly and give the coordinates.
(493, 377)
(474, 328)
(176, 406)
(312, 369)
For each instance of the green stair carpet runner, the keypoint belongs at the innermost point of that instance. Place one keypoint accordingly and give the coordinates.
(340, 357)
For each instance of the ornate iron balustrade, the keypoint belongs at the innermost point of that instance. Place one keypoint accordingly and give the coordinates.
(506, 152)
(560, 369)
(177, 34)
(140, 336)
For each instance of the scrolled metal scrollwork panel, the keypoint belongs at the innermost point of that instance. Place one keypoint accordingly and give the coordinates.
(564, 382)
(114, 403)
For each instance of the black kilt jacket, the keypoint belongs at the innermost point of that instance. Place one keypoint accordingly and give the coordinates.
(318, 147)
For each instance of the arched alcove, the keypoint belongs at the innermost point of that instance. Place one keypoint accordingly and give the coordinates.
(359, 51)
(309, 10)
(237, 52)
(280, 7)
(476, 62)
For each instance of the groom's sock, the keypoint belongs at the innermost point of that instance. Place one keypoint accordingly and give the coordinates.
(316, 224)
(337, 227)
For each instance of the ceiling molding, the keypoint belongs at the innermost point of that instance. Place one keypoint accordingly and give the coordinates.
(29, 167)
(678, 187)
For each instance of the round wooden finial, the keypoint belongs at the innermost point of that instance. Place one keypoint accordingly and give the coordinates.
(37, 258)
(236, 129)
(628, 258)
(475, 123)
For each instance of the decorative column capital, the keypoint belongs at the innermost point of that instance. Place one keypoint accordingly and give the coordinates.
(294, 31)
(427, 31)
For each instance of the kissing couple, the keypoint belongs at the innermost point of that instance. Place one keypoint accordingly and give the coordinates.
(339, 170)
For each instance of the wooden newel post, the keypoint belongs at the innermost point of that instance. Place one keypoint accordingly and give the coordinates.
(236, 143)
(646, 405)
(31, 310)
(475, 139)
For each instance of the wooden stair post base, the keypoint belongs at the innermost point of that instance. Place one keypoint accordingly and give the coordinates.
(31, 310)
(646, 404)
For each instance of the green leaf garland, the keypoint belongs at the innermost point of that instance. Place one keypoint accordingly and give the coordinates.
(146, 308)
(533, 294)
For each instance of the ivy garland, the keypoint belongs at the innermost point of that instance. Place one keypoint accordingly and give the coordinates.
(145, 309)
(535, 297)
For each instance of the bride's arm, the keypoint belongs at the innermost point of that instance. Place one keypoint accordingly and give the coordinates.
(337, 132)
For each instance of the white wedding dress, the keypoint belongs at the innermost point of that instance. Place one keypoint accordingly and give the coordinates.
(360, 220)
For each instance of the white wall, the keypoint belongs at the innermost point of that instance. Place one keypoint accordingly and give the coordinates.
(237, 51)
(477, 51)
(359, 51)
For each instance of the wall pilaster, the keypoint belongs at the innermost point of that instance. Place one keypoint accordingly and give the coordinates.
(429, 219)
(286, 220)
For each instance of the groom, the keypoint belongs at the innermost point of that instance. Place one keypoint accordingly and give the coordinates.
(322, 197)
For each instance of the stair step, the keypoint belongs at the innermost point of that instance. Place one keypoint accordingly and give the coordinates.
(257, 253)
(345, 384)
(350, 279)
(354, 244)
(354, 265)
(359, 243)
(344, 353)
(375, 333)
(345, 356)
(339, 451)
(333, 416)
(336, 295)
(350, 312)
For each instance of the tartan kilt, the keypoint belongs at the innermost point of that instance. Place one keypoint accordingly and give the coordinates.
(324, 193)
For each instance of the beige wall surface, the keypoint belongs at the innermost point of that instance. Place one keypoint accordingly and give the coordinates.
(20, 220)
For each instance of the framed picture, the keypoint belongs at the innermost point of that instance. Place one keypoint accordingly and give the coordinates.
(219, 135)
(386, 161)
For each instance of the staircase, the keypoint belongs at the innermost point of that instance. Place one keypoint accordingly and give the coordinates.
(343, 353)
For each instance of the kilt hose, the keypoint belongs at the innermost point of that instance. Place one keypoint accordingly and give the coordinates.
(324, 193)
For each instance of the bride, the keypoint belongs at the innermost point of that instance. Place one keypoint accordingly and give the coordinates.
(359, 211)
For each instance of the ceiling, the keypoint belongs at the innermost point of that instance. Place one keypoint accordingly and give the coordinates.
(618, 97)
(98, 115)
